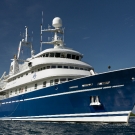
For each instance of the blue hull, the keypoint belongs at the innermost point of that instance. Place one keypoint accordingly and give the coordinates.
(59, 103)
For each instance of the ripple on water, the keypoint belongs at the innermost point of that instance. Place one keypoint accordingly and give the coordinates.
(51, 128)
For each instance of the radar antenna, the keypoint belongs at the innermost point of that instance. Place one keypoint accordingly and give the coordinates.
(57, 40)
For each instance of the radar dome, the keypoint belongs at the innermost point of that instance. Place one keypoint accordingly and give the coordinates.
(57, 22)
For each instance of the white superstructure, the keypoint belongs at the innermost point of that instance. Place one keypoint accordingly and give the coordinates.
(47, 68)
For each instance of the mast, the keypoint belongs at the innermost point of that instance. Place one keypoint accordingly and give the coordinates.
(41, 34)
(57, 40)
(26, 43)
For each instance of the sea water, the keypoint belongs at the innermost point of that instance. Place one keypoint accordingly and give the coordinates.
(61, 128)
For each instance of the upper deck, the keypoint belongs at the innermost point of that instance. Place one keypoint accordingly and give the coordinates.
(58, 63)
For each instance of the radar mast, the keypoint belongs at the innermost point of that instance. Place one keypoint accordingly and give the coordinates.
(57, 40)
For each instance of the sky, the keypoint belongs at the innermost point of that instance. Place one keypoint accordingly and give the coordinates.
(102, 30)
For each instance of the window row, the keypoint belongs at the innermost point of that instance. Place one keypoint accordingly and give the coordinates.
(44, 84)
(61, 66)
(20, 90)
(62, 55)
(51, 67)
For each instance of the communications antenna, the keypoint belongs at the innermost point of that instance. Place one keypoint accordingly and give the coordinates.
(57, 40)
(41, 33)
(32, 37)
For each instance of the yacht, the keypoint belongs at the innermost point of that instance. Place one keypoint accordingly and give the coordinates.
(56, 85)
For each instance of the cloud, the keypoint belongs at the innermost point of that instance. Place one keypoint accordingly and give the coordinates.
(86, 38)
(131, 25)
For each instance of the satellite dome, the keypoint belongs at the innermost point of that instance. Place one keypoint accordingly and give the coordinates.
(57, 22)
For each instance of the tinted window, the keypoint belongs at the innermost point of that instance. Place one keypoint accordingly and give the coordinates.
(59, 66)
(51, 54)
(69, 56)
(71, 67)
(47, 54)
(62, 79)
(77, 57)
(20, 90)
(51, 82)
(48, 67)
(53, 66)
(25, 88)
(56, 81)
(65, 66)
(57, 54)
(44, 84)
(16, 91)
(35, 86)
(62, 56)
(76, 67)
(70, 79)
(73, 56)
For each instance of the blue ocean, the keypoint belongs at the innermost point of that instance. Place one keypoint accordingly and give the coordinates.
(61, 128)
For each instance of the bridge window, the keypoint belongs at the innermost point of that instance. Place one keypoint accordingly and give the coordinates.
(62, 55)
(77, 57)
(69, 56)
(73, 56)
(51, 54)
(57, 54)
(47, 54)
